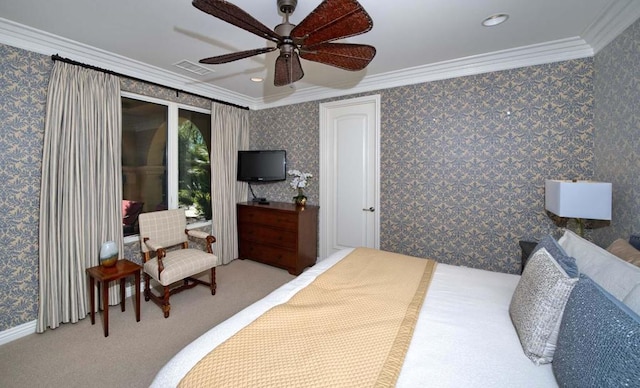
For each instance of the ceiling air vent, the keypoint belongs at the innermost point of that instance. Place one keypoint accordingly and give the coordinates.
(192, 67)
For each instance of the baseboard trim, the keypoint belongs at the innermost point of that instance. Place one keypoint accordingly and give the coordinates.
(17, 332)
(25, 329)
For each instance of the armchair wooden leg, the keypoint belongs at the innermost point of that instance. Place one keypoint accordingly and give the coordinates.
(165, 302)
(213, 281)
(147, 287)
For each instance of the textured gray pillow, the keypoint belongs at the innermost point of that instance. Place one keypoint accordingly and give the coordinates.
(537, 305)
(632, 300)
(599, 340)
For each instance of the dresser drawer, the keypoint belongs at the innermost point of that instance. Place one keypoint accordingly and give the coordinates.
(275, 219)
(267, 254)
(280, 234)
(266, 235)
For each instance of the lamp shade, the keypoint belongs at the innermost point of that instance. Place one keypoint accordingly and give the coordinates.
(579, 199)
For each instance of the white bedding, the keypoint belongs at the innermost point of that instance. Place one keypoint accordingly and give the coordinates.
(463, 337)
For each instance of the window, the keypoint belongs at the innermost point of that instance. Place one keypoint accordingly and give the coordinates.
(194, 169)
(165, 159)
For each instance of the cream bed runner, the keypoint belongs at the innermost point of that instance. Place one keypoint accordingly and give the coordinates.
(350, 327)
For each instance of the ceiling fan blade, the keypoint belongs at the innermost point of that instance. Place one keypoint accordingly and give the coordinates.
(331, 20)
(235, 56)
(288, 69)
(232, 14)
(346, 56)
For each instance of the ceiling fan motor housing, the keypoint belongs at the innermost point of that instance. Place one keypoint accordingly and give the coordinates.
(284, 29)
(287, 6)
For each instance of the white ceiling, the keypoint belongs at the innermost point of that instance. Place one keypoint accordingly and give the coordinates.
(416, 41)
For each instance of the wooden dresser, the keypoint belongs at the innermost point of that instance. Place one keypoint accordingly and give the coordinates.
(279, 234)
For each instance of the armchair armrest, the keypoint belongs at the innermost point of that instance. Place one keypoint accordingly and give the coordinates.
(203, 235)
(152, 245)
(160, 253)
(198, 234)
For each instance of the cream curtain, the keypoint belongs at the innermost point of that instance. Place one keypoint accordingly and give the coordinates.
(229, 133)
(80, 198)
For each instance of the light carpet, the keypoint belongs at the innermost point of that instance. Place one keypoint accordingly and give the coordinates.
(78, 355)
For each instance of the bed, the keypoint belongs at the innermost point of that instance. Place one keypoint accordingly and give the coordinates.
(464, 335)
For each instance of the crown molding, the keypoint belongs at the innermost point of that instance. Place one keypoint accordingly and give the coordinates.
(555, 51)
(31, 39)
(612, 22)
(601, 32)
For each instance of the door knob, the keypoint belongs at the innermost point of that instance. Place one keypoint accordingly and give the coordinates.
(371, 209)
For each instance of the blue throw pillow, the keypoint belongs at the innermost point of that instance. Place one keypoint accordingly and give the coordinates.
(567, 262)
(599, 340)
(634, 240)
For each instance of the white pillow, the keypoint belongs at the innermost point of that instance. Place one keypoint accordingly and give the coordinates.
(612, 273)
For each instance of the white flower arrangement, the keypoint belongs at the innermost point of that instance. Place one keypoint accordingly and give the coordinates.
(300, 179)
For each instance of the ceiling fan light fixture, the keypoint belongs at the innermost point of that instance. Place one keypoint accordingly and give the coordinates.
(311, 39)
(494, 20)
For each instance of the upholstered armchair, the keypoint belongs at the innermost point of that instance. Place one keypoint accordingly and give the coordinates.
(168, 259)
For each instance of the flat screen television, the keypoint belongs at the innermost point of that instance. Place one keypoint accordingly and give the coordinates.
(262, 166)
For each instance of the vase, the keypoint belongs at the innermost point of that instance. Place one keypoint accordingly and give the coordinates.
(108, 254)
(300, 199)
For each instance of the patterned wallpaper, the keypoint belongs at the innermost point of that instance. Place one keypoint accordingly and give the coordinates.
(470, 156)
(463, 161)
(292, 128)
(617, 139)
(24, 78)
(145, 89)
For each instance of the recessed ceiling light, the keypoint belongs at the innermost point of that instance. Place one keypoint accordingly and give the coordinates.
(257, 79)
(494, 20)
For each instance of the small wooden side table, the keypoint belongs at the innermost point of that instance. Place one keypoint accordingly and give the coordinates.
(120, 271)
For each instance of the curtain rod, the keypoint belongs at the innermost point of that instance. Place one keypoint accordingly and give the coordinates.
(56, 57)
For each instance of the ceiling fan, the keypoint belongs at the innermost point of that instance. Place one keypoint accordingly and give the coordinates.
(310, 39)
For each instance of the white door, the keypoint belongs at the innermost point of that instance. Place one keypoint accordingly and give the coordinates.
(349, 174)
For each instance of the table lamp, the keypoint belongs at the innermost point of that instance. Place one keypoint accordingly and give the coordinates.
(581, 200)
